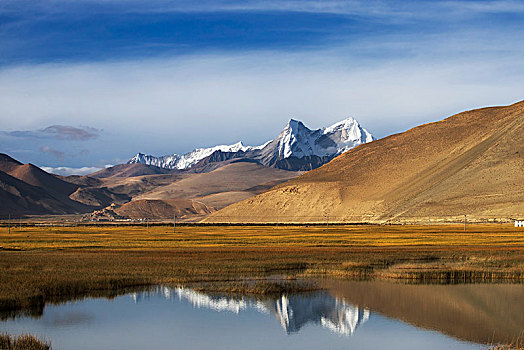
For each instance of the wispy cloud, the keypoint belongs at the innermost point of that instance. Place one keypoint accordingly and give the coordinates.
(391, 10)
(64, 132)
(104, 30)
(59, 132)
(56, 153)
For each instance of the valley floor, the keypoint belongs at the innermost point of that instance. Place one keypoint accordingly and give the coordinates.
(51, 264)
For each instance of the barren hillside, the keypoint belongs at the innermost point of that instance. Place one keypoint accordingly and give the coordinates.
(223, 186)
(163, 209)
(471, 163)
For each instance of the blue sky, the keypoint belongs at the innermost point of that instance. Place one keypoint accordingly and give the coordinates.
(166, 76)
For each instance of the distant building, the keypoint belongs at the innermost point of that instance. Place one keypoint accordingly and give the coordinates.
(519, 223)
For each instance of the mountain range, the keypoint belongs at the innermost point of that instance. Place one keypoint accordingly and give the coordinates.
(190, 185)
(133, 191)
(296, 148)
(468, 164)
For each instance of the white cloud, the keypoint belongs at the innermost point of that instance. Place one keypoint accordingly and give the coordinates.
(174, 104)
(66, 171)
(248, 95)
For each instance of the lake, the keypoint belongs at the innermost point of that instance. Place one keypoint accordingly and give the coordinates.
(345, 315)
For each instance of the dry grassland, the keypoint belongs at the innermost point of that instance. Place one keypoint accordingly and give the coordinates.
(162, 237)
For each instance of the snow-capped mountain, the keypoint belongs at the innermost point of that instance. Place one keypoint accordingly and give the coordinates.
(296, 148)
(187, 160)
(299, 148)
(297, 140)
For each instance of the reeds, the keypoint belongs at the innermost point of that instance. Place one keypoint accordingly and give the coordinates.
(22, 342)
(257, 287)
(518, 345)
(515, 344)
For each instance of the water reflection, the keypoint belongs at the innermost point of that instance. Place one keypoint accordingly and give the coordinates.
(481, 313)
(182, 318)
(292, 311)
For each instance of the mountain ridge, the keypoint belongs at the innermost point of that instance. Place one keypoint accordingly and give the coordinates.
(296, 148)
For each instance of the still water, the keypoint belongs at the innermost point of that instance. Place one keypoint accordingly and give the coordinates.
(435, 317)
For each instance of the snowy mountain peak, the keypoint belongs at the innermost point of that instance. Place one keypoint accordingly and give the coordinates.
(295, 124)
(348, 134)
(347, 123)
(332, 313)
(296, 140)
(299, 141)
(293, 311)
(184, 161)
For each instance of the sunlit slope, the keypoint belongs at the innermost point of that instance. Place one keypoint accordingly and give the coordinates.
(163, 209)
(222, 186)
(471, 163)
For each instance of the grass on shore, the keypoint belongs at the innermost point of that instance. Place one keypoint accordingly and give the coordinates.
(39, 265)
(22, 342)
(515, 345)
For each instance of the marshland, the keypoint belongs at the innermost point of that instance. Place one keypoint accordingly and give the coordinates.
(46, 265)
(42, 263)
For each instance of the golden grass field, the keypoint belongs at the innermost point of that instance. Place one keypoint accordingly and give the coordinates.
(162, 237)
(43, 264)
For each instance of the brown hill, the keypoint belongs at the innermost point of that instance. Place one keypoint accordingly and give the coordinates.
(471, 163)
(7, 163)
(81, 181)
(35, 176)
(97, 197)
(163, 209)
(129, 170)
(136, 185)
(18, 198)
(27, 189)
(223, 186)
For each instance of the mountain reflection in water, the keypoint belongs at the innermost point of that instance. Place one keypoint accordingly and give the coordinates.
(292, 311)
(480, 313)
(341, 317)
